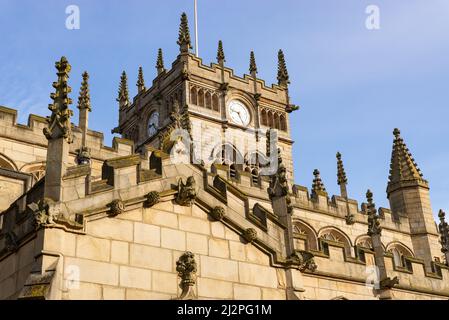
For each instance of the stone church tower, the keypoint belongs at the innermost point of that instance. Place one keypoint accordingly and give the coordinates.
(197, 200)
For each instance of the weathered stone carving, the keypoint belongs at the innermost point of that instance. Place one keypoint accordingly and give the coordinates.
(444, 232)
(153, 198)
(44, 213)
(179, 121)
(186, 192)
(59, 122)
(83, 156)
(304, 259)
(116, 207)
(11, 241)
(350, 219)
(218, 213)
(250, 235)
(186, 267)
(279, 183)
(388, 283)
(373, 219)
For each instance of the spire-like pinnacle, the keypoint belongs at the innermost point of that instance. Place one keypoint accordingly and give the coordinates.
(318, 186)
(160, 62)
(220, 52)
(374, 227)
(184, 34)
(283, 77)
(140, 81)
(341, 174)
(84, 97)
(59, 125)
(123, 93)
(403, 167)
(443, 228)
(252, 63)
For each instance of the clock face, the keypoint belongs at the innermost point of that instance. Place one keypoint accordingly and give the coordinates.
(153, 124)
(239, 113)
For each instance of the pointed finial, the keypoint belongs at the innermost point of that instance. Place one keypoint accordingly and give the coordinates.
(160, 62)
(403, 167)
(443, 228)
(318, 186)
(252, 63)
(442, 215)
(283, 77)
(341, 176)
(374, 227)
(123, 93)
(140, 81)
(220, 53)
(84, 97)
(184, 34)
(59, 125)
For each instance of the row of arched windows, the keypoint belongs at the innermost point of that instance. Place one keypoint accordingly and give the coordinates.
(170, 101)
(204, 98)
(309, 239)
(273, 119)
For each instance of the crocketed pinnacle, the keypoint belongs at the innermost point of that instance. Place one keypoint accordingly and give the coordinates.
(283, 77)
(140, 81)
(374, 227)
(341, 174)
(84, 96)
(220, 52)
(184, 34)
(160, 62)
(318, 186)
(443, 228)
(252, 63)
(403, 167)
(123, 93)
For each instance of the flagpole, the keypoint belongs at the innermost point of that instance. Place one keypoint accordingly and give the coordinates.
(196, 28)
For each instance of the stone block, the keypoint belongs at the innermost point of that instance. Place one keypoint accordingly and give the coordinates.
(151, 258)
(217, 230)
(164, 219)
(85, 291)
(134, 294)
(273, 294)
(173, 239)
(135, 278)
(215, 289)
(217, 268)
(92, 271)
(238, 251)
(111, 293)
(197, 243)
(111, 228)
(120, 252)
(194, 225)
(257, 275)
(242, 292)
(165, 282)
(218, 248)
(58, 240)
(93, 248)
(147, 234)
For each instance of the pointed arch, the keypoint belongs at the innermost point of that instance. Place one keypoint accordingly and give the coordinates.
(7, 163)
(215, 102)
(276, 121)
(400, 251)
(263, 116)
(336, 235)
(208, 100)
(305, 231)
(283, 122)
(36, 169)
(201, 98)
(270, 119)
(193, 96)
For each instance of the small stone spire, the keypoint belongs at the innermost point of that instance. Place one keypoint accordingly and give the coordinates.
(403, 167)
(84, 97)
(252, 63)
(220, 53)
(140, 81)
(184, 41)
(318, 186)
(374, 227)
(341, 176)
(283, 77)
(59, 122)
(123, 93)
(444, 233)
(160, 62)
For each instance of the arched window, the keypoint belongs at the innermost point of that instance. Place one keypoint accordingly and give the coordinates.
(283, 123)
(7, 163)
(263, 116)
(227, 154)
(255, 176)
(335, 235)
(193, 96)
(270, 119)
(276, 121)
(400, 252)
(36, 169)
(208, 99)
(215, 103)
(305, 235)
(201, 98)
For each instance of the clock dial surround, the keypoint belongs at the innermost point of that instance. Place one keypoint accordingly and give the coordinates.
(239, 113)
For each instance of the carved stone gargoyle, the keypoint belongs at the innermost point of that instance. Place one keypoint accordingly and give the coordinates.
(186, 192)
(186, 267)
(11, 241)
(388, 283)
(153, 198)
(82, 156)
(116, 207)
(44, 213)
(304, 260)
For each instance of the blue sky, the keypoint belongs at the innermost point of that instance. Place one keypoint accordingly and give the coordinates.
(354, 85)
